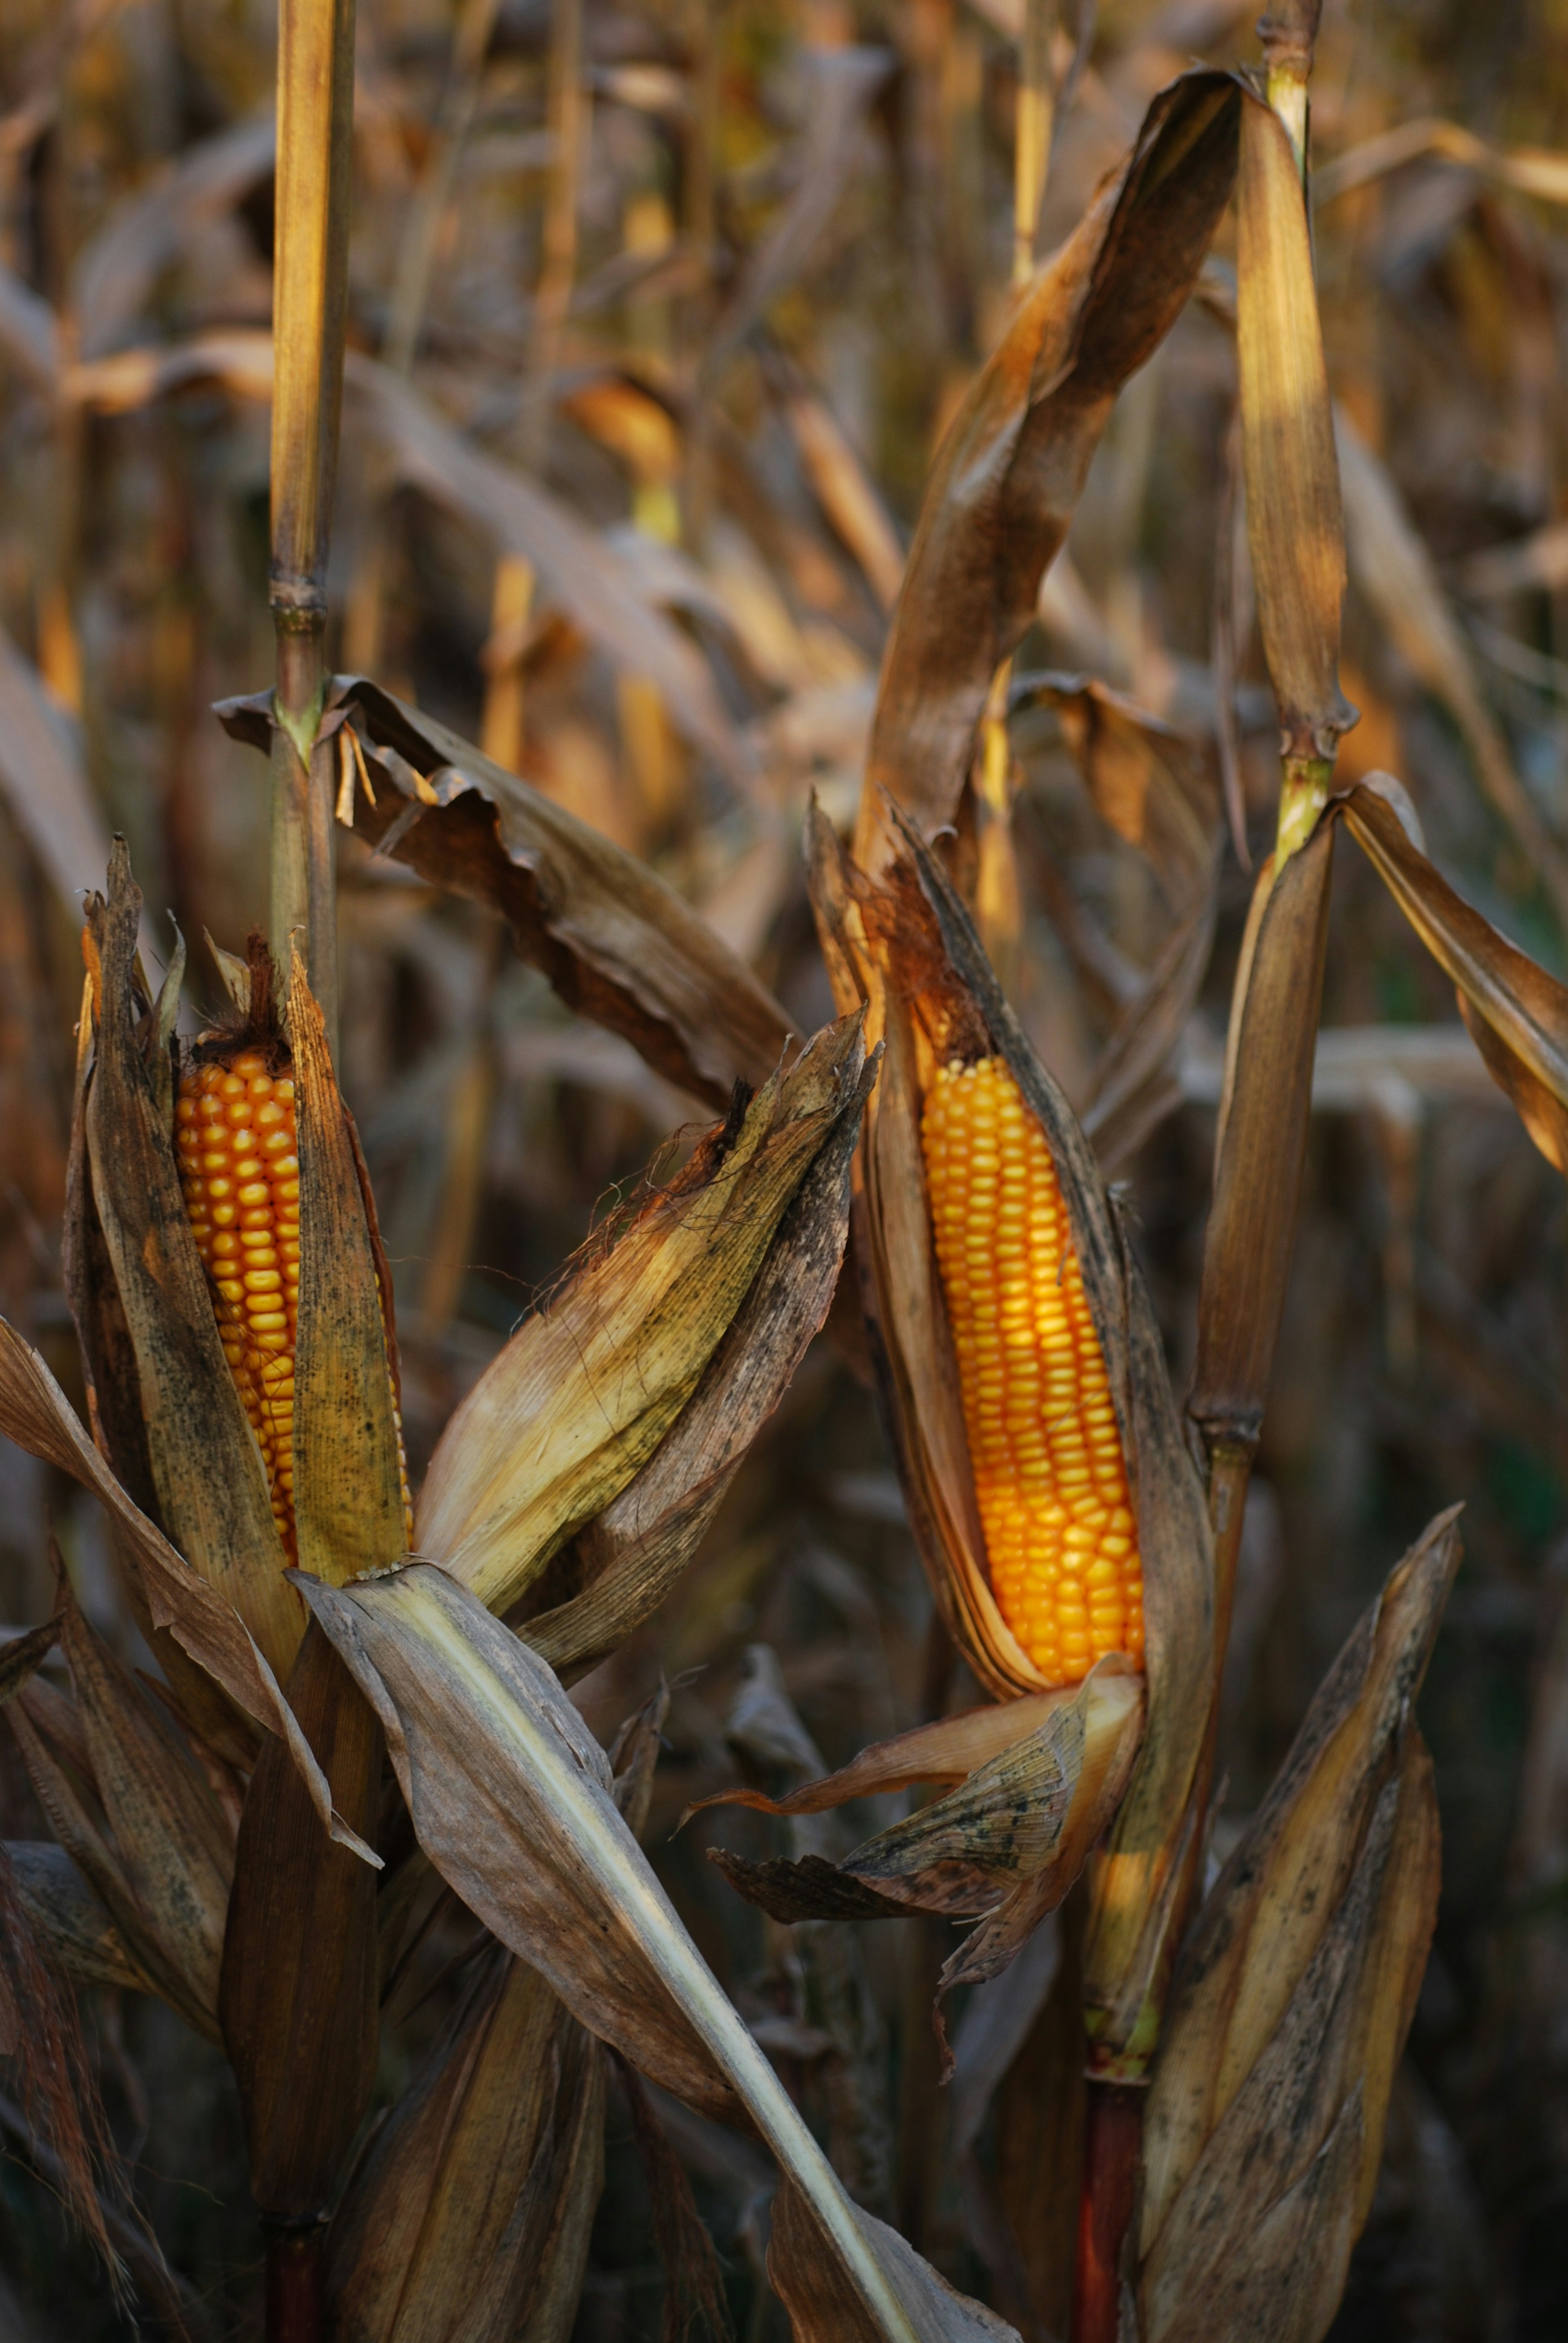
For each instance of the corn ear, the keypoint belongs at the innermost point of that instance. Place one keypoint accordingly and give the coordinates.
(70, 1921)
(202, 1457)
(908, 949)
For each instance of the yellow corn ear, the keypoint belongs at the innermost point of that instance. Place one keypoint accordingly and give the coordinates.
(234, 1138)
(1051, 1480)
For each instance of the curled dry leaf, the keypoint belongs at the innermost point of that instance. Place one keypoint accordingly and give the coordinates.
(511, 1799)
(1039, 1779)
(906, 947)
(130, 1809)
(1517, 1014)
(617, 943)
(1295, 1990)
(586, 1391)
(1003, 488)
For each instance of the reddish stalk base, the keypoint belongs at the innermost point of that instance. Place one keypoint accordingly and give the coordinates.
(295, 2309)
(1112, 2130)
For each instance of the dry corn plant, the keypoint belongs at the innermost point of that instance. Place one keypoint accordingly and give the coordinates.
(360, 1729)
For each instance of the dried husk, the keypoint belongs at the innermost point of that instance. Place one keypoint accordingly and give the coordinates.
(1002, 490)
(511, 1797)
(1294, 1992)
(586, 1391)
(629, 1556)
(348, 1474)
(618, 944)
(908, 949)
(36, 1415)
(202, 1457)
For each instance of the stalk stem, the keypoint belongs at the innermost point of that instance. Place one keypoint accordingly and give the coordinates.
(1113, 2127)
(310, 267)
(296, 2305)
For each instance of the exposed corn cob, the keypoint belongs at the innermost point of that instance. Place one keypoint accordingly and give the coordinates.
(235, 1139)
(1046, 1452)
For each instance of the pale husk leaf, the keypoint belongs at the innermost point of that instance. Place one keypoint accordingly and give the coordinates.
(586, 1391)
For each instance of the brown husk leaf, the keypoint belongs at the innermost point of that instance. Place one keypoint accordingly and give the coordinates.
(1294, 1992)
(1002, 490)
(618, 944)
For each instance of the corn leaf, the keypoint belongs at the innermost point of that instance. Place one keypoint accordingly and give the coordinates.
(70, 1921)
(1002, 490)
(511, 1799)
(585, 1391)
(1297, 1983)
(36, 1415)
(630, 1555)
(1517, 1013)
(348, 1463)
(618, 945)
(205, 1462)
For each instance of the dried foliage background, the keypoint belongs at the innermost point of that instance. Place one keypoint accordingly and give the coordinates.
(650, 350)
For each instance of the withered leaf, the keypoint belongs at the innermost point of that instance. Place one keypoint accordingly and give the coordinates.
(1517, 1013)
(618, 944)
(511, 1797)
(1002, 490)
(36, 1415)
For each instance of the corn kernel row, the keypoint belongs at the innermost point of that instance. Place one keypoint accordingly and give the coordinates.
(236, 1141)
(1049, 1476)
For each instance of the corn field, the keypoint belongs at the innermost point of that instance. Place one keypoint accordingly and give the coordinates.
(783, 1100)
